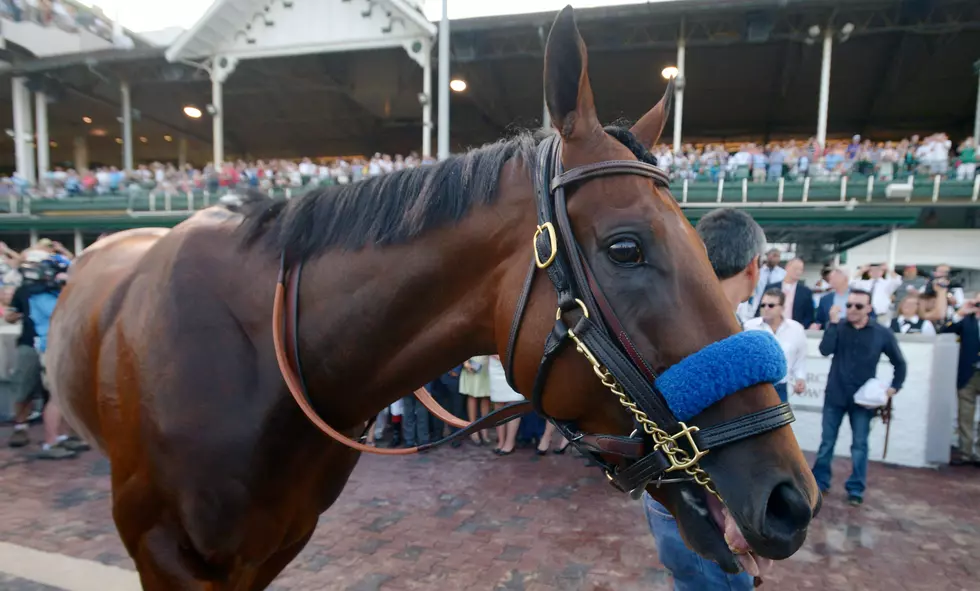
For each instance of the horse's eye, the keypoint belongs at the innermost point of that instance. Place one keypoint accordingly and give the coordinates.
(626, 252)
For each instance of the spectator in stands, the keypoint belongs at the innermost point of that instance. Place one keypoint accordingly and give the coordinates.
(856, 344)
(908, 321)
(836, 298)
(965, 325)
(881, 284)
(912, 283)
(733, 241)
(769, 273)
(966, 169)
(791, 336)
(799, 299)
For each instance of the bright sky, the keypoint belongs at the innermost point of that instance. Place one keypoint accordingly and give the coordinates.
(153, 15)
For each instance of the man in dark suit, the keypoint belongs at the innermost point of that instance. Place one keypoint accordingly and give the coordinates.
(799, 298)
(966, 325)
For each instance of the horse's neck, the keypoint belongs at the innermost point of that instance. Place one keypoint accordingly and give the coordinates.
(381, 322)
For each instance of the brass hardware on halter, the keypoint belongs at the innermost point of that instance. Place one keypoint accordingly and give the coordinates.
(679, 458)
(552, 238)
(581, 304)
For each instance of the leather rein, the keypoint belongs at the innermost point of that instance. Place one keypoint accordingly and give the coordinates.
(659, 445)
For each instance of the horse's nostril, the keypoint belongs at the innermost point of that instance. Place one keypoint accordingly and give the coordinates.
(787, 512)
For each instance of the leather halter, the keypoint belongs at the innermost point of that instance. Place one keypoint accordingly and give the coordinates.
(660, 444)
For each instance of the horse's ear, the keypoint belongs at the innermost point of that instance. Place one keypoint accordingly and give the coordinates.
(566, 79)
(648, 129)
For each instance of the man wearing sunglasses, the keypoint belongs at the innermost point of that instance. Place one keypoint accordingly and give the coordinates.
(856, 344)
(790, 334)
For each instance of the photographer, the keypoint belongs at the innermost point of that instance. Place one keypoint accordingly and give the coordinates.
(965, 324)
(942, 297)
(33, 303)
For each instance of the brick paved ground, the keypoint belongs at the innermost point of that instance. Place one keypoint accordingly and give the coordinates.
(464, 519)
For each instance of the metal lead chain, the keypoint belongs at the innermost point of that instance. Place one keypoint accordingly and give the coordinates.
(679, 458)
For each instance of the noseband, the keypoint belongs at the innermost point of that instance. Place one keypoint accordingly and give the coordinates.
(660, 443)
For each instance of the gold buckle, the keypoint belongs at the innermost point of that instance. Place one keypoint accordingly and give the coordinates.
(554, 245)
(688, 433)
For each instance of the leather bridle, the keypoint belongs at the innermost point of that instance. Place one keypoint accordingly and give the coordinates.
(659, 445)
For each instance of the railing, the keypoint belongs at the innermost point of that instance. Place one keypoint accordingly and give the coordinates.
(846, 192)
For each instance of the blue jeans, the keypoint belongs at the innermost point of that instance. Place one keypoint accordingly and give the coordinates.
(781, 390)
(860, 418)
(691, 572)
(415, 422)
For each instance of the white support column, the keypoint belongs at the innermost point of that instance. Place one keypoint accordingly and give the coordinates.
(679, 83)
(181, 151)
(892, 248)
(79, 242)
(43, 145)
(80, 145)
(217, 122)
(21, 149)
(444, 82)
(33, 237)
(828, 44)
(127, 128)
(427, 103)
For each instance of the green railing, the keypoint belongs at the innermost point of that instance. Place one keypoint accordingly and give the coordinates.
(846, 192)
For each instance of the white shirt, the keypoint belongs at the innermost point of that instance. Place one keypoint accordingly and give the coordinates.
(767, 276)
(792, 338)
(881, 291)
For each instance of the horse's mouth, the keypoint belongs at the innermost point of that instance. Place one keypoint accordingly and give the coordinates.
(739, 547)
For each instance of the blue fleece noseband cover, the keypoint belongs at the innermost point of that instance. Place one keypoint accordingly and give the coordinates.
(720, 369)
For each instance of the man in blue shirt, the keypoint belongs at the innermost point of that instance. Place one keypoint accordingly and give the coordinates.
(856, 344)
(57, 444)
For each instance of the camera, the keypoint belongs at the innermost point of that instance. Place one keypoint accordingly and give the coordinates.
(44, 276)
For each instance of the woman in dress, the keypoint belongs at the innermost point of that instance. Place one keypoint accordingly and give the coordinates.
(501, 394)
(474, 383)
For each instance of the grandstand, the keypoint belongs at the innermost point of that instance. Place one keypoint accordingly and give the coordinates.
(752, 73)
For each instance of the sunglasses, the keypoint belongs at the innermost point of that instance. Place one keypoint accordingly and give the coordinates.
(765, 305)
(855, 306)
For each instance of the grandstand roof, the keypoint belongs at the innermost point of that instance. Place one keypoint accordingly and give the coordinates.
(751, 72)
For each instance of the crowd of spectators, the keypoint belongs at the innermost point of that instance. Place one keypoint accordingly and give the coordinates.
(794, 160)
(265, 175)
(791, 160)
(67, 16)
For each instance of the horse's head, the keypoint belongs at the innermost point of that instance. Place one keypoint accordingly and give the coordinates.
(648, 276)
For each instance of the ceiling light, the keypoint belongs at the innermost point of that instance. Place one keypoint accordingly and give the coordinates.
(168, 138)
(98, 132)
(192, 112)
(87, 119)
(143, 139)
(53, 144)
(118, 140)
(669, 72)
(457, 85)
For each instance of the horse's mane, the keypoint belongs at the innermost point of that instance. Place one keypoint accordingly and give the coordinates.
(388, 209)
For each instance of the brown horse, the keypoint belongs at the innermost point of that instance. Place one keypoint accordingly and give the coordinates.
(161, 348)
